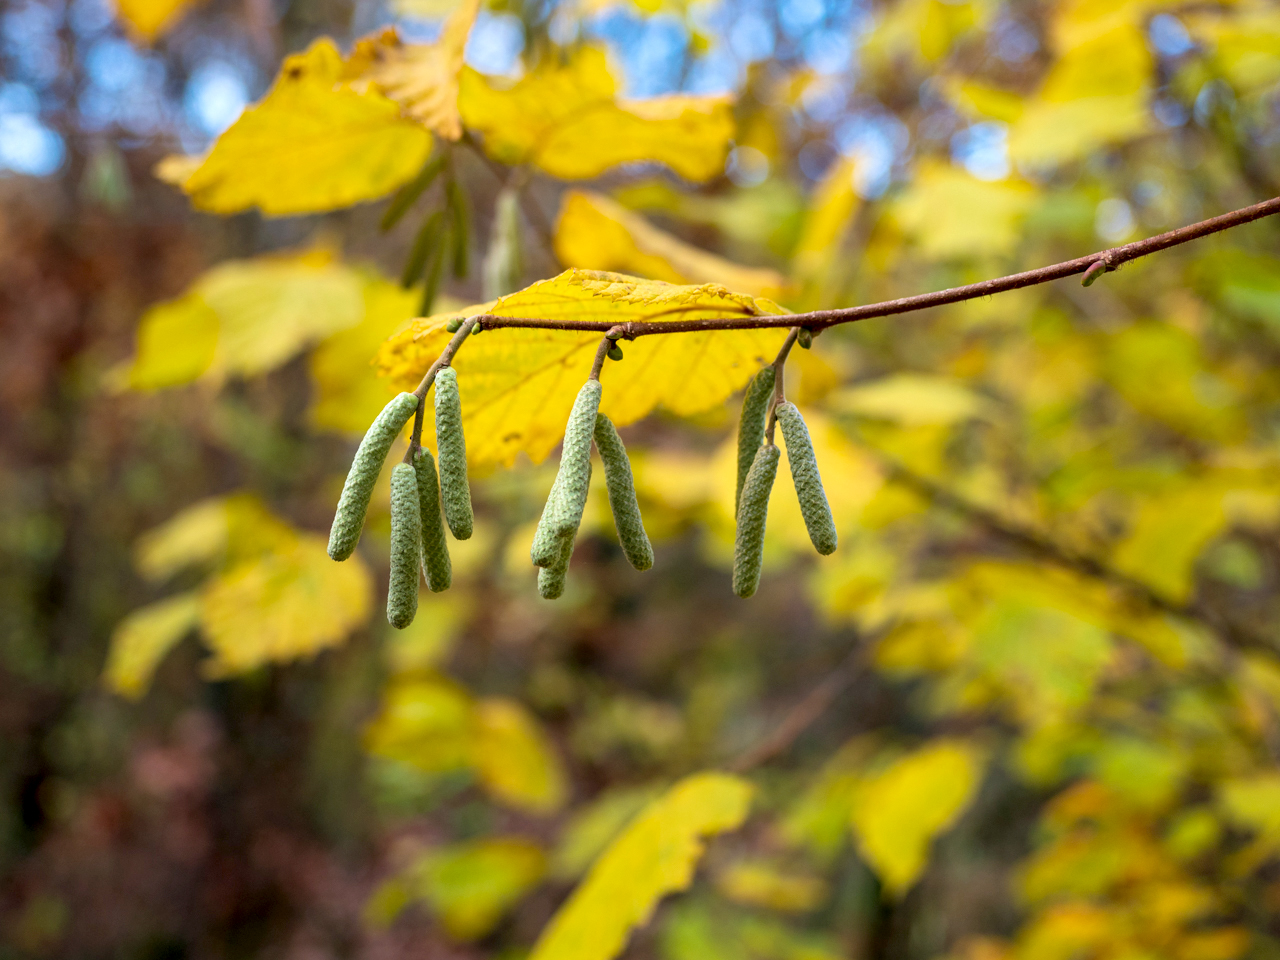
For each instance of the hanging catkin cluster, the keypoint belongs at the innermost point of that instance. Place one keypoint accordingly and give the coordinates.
(558, 528)
(420, 495)
(757, 469)
(418, 498)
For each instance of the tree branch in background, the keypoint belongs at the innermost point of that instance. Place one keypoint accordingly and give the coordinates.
(804, 713)
(1038, 543)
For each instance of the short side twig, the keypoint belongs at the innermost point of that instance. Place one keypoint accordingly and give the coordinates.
(446, 355)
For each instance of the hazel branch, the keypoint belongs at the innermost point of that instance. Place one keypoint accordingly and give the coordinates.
(818, 320)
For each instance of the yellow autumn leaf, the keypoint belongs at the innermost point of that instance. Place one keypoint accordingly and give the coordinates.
(656, 855)
(953, 214)
(1076, 22)
(141, 640)
(312, 143)
(272, 307)
(288, 603)
(245, 317)
(176, 343)
(348, 392)
(427, 723)
(471, 885)
(1167, 535)
(568, 121)
(758, 883)
(219, 528)
(518, 385)
(828, 218)
(592, 827)
(1246, 44)
(148, 19)
(597, 233)
(423, 78)
(898, 812)
(913, 398)
(514, 760)
(1095, 94)
(923, 30)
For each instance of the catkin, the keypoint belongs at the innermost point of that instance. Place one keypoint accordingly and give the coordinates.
(503, 266)
(748, 547)
(546, 545)
(574, 477)
(551, 578)
(406, 533)
(348, 519)
(807, 480)
(755, 407)
(454, 490)
(622, 495)
(436, 566)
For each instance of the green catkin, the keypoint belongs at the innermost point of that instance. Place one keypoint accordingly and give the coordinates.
(748, 547)
(574, 477)
(807, 480)
(551, 578)
(460, 209)
(452, 445)
(503, 262)
(436, 566)
(755, 408)
(546, 546)
(406, 533)
(348, 519)
(407, 195)
(622, 495)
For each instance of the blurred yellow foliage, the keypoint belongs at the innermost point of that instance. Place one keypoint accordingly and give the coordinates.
(423, 78)
(656, 855)
(597, 233)
(313, 143)
(569, 122)
(898, 812)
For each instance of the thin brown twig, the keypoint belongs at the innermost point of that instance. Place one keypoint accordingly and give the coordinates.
(779, 394)
(802, 716)
(821, 319)
(446, 355)
(602, 351)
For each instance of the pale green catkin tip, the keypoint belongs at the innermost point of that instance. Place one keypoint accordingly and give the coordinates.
(748, 547)
(436, 566)
(622, 495)
(807, 479)
(574, 477)
(348, 519)
(545, 547)
(406, 531)
(551, 578)
(755, 408)
(455, 492)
